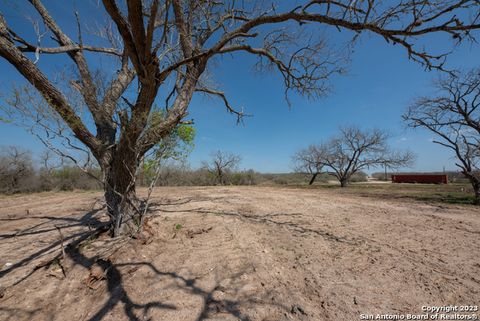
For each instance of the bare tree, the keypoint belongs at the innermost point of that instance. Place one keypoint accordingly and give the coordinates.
(355, 150)
(454, 117)
(221, 165)
(169, 45)
(16, 167)
(309, 160)
(49, 162)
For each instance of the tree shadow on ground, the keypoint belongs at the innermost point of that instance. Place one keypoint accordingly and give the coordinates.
(134, 311)
(210, 305)
(115, 286)
(69, 247)
(89, 220)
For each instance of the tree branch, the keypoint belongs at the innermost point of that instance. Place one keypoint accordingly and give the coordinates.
(240, 114)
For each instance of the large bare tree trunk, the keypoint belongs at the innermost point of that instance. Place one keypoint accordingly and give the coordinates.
(220, 178)
(475, 182)
(343, 182)
(476, 189)
(120, 194)
(313, 179)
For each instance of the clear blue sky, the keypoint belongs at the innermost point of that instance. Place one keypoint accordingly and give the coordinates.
(379, 84)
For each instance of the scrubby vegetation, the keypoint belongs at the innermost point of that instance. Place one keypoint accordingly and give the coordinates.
(20, 172)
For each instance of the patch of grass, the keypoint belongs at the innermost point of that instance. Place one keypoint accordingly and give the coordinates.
(441, 193)
(178, 227)
(453, 193)
(450, 198)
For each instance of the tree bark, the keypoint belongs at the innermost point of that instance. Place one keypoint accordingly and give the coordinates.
(120, 194)
(475, 182)
(220, 177)
(343, 182)
(476, 189)
(313, 179)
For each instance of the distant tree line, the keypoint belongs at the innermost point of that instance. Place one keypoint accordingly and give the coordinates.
(20, 172)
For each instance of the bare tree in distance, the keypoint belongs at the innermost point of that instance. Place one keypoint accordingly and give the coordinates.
(167, 46)
(309, 160)
(354, 150)
(16, 166)
(453, 115)
(222, 164)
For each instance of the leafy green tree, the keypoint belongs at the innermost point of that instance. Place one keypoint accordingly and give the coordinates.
(177, 146)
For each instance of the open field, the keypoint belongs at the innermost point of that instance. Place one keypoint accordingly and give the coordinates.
(453, 193)
(241, 253)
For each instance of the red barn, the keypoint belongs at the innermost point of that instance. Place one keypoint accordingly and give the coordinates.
(420, 178)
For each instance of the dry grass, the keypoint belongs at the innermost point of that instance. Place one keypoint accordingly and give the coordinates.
(456, 193)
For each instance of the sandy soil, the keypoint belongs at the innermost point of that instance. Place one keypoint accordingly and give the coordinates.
(236, 253)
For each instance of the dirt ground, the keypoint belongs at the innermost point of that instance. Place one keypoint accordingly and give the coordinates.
(236, 253)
